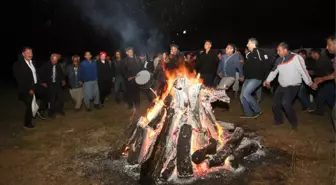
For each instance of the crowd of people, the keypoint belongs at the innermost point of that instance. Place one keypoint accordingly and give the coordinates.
(299, 75)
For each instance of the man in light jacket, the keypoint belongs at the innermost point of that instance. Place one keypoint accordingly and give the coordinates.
(291, 69)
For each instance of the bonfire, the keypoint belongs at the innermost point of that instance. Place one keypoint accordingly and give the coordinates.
(179, 137)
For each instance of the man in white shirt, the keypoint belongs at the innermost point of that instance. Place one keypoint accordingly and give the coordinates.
(291, 69)
(28, 85)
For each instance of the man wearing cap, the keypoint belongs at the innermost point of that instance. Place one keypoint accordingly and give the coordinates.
(132, 67)
(104, 77)
(89, 79)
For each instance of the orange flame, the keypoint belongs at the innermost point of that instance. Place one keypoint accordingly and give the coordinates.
(220, 135)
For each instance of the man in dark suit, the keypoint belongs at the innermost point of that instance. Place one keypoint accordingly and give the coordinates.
(52, 77)
(28, 85)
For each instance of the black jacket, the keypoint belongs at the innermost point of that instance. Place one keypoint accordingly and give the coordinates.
(117, 68)
(257, 65)
(23, 75)
(131, 66)
(104, 71)
(46, 71)
(207, 63)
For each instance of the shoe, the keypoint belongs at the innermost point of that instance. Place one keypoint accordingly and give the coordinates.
(257, 114)
(89, 109)
(29, 126)
(77, 109)
(40, 115)
(277, 123)
(316, 113)
(294, 128)
(62, 113)
(307, 110)
(246, 117)
(97, 106)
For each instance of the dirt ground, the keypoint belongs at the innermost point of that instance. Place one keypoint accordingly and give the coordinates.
(48, 154)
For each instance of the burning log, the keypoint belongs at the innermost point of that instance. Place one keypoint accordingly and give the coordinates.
(220, 157)
(200, 155)
(184, 166)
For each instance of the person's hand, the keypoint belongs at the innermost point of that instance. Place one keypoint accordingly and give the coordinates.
(31, 92)
(130, 78)
(220, 75)
(113, 79)
(241, 79)
(63, 83)
(318, 80)
(314, 86)
(44, 84)
(81, 82)
(267, 84)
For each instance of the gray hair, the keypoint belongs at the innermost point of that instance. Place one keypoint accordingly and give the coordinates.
(254, 41)
(284, 45)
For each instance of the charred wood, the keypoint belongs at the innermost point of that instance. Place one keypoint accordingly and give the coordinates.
(168, 171)
(219, 158)
(183, 161)
(200, 155)
(235, 138)
(151, 169)
(135, 146)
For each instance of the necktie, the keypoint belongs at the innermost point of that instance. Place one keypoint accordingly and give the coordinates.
(54, 74)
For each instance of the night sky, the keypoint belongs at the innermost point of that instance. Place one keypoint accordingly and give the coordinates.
(67, 26)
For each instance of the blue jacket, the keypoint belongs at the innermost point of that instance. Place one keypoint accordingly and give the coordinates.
(88, 71)
(73, 77)
(229, 65)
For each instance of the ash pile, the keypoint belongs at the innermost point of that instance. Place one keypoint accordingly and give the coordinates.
(180, 139)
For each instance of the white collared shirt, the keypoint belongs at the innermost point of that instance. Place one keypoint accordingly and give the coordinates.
(103, 61)
(32, 68)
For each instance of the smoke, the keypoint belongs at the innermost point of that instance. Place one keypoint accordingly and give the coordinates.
(122, 20)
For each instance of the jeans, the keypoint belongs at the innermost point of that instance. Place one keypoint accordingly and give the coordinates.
(283, 100)
(250, 105)
(303, 97)
(258, 93)
(91, 91)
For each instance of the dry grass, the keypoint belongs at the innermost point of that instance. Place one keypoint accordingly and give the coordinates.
(47, 154)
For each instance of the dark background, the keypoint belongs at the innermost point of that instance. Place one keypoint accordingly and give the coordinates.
(56, 26)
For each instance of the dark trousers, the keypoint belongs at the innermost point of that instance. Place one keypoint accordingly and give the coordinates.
(41, 93)
(325, 94)
(133, 94)
(56, 99)
(104, 89)
(208, 79)
(119, 88)
(283, 100)
(149, 94)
